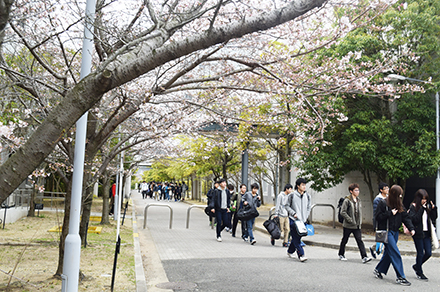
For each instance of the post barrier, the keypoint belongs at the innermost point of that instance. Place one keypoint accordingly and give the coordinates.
(158, 205)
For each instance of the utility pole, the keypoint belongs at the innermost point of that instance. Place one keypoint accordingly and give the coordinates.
(72, 248)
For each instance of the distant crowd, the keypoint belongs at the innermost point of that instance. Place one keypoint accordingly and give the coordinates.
(164, 190)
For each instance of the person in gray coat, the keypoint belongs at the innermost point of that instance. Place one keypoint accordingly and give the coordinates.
(298, 206)
(351, 210)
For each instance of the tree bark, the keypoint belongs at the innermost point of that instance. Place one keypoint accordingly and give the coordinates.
(65, 229)
(31, 212)
(105, 199)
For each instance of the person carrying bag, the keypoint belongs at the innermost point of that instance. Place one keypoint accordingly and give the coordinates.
(251, 201)
(298, 207)
(390, 212)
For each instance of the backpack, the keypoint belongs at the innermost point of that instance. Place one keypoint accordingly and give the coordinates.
(340, 217)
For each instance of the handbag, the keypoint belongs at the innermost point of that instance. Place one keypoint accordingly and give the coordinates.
(272, 227)
(382, 235)
(247, 213)
(300, 228)
(434, 238)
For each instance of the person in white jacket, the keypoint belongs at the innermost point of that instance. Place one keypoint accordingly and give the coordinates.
(282, 214)
(298, 206)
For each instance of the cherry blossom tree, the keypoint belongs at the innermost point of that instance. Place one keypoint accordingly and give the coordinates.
(148, 44)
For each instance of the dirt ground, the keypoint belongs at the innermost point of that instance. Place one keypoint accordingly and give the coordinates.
(29, 252)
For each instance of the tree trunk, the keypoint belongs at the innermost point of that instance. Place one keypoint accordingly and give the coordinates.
(31, 212)
(260, 182)
(367, 180)
(65, 229)
(85, 215)
(105, 199)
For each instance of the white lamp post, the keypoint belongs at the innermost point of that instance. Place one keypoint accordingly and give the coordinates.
(437, 180)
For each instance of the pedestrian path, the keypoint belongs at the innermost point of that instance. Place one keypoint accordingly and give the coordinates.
(160, 245)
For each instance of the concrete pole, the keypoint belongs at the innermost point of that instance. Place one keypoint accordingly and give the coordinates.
(72, 249)
(245, 166)
(115, 204)
(437, 180)
(121, 177)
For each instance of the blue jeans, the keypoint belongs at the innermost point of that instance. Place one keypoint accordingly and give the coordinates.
(222, 217)
(249, 227)
(295, 244)
(424, 251)
(392, 256)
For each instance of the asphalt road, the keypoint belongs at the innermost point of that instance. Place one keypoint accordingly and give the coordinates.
(191, 259)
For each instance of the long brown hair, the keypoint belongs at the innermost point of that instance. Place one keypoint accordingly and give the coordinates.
(393, 200)
(421, 194)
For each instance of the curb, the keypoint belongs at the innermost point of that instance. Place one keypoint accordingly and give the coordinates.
(141, 283)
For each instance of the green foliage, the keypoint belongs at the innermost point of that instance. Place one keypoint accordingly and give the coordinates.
(391, 138)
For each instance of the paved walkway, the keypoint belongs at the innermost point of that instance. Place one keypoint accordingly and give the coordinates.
(159, 244)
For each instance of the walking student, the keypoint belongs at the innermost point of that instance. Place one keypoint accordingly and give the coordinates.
(282, 214)
(422, 214)
(351, 211)
(377, 248)
(298, 206)
(144, 188)
(220, 204)
(252, 199)
(210, 197)
(236, 199)
(391, 213)
(233, 208)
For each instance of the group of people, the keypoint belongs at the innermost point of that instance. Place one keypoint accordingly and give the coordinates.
(163, 191)
(224, 204)
(294, 204)
(389, 214)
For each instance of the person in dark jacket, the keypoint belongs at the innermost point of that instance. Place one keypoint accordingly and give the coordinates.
(351, 210)
(391, 213)
(220, 204)
(236, 200)
(422, 215)
(210, 196)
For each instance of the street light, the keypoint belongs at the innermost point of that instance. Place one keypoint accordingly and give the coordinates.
(437, 180)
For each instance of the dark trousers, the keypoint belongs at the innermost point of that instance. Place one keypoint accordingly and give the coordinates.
(295, 244)
(358, 236)
(222, 217)
(424, 251)
(235, 223)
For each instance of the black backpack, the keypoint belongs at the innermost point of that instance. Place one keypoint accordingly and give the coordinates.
(340, 217)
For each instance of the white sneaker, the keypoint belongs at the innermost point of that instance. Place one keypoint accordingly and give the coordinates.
(366, 260)
(303, 258)
(290, 255)
(253, 242)
(219, 239)
(342, 258)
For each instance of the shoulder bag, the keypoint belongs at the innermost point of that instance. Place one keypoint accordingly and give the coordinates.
(382, 235)
(434, 238)
(247, 213)
(300, 228)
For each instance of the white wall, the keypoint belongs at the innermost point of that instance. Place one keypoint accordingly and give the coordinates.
(332, 195)
(13, 214)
